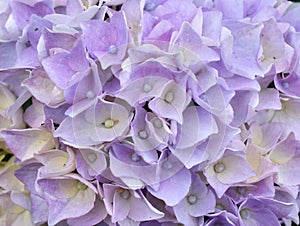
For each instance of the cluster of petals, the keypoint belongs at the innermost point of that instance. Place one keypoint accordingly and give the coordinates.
(149, 112)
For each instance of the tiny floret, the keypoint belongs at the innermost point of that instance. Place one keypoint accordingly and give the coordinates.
(147, 87)
(143, 134)
(109, 123)
(125, 194)
(219, 167)
(169, 97)
(192, 199)
(113, 49)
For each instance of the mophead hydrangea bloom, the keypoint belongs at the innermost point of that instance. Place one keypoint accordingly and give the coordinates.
(149, 112)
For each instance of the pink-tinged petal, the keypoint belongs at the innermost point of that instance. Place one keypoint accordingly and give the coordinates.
(39, 209)
(190, 44)
(245, 52)
(73, 65)
(43, 89)
(212, 25)
(197, 125)
(58, 40)
(22, 11)
(30, 142)
(231, 9)
(93, 217)
(110, 43)
(269, 99)
(178, 192)
(59, 188)
(171, 102)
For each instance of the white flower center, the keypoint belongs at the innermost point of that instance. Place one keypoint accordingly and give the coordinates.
(90, 94)
(147, 87)
(167, 165)
(245, 214)
(143, 134)
(135, 157)
(192, 199)
(113, 49)
(109, 123)
(157, 123)
(285, 85)
(169, 97)
(81, 186)
(220, 207)
(91, 157)
(125, 194)
(241, 190)
(219, 167)
(203, 97)
(149, 6)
